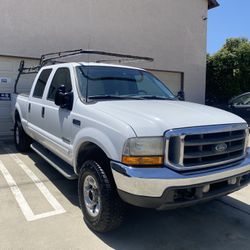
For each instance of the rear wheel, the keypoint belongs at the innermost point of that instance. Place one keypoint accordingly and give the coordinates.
(101, 206)
(22, 140)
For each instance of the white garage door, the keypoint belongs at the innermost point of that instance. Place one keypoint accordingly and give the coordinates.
(173, 80)
(8, 73)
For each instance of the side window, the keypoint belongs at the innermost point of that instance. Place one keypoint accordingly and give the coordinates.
(41, 83)
(61, 77)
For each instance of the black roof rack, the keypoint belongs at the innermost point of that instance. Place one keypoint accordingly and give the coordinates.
(123, 57)
(52, 59)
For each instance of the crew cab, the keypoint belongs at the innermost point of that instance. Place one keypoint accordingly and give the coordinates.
(128, 139)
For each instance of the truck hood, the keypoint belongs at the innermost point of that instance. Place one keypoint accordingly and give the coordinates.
(154, 117)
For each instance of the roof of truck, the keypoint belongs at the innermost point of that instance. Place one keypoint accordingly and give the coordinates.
(107, 65)
(75, 64)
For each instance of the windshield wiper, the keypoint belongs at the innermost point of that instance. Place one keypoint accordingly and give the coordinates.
(124, 97)
(156, 97)
(118, 97)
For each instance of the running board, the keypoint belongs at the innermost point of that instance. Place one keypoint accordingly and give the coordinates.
(61, 166)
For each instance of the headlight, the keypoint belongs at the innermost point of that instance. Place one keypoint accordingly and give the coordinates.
(143, 151)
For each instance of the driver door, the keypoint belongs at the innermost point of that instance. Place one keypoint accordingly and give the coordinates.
(57, 121)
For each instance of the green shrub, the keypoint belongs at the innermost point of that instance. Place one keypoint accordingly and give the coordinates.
(228, 71)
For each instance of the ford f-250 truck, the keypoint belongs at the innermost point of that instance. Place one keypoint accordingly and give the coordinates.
(127, 138)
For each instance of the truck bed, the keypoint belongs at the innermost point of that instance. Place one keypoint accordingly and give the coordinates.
(23, 104)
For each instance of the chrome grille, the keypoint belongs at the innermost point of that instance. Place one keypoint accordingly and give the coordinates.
(203, 147)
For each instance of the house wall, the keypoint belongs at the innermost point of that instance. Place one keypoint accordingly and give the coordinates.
(173, 32)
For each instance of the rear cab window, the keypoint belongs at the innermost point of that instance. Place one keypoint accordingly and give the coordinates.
(41, 83)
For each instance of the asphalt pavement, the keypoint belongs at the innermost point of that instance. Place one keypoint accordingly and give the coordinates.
(39, 210)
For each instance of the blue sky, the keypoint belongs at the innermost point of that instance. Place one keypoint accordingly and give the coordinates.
(230, 19)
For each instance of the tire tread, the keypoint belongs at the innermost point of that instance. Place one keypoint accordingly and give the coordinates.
(112, 215)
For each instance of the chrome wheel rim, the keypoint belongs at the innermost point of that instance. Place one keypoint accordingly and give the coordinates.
(91, 195)
(17, 135)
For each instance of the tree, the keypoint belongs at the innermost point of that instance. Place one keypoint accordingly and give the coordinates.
(228, 71)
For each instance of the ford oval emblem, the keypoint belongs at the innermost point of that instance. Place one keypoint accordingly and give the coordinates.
(222, 147)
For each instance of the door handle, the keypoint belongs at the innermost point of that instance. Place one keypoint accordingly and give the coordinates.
(29, 107)
(43, 112)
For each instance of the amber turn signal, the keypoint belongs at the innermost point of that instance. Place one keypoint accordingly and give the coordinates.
(142, 160)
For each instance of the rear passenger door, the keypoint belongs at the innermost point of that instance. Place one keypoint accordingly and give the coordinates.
(58, 121)
(35, 105)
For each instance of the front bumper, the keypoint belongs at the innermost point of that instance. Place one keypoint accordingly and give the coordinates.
(161, 188)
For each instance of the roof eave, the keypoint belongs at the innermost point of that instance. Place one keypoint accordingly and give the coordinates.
(212, 4)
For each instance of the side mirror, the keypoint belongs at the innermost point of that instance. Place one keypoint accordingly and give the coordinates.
(181, 95)
(64, 99)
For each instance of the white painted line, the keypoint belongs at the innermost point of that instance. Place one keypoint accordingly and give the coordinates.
(242, 195)
(29, 215)
(51, 199)
(239, 200)
(17, 193)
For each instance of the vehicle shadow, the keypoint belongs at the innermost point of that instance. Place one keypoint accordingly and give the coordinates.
(211, 225)
(5, 142)
(67, 187)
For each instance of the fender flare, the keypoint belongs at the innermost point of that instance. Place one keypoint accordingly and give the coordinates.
(100, 139)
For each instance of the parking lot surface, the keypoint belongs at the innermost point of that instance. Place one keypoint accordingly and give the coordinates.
(39, 210)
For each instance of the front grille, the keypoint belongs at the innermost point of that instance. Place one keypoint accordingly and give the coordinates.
(203, 147)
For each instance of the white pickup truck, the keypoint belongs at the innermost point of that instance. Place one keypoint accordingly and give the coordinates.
(128, 139)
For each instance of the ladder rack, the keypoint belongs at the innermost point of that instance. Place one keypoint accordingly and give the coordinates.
(51, 58)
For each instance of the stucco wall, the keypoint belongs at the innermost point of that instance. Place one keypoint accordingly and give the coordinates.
(171, 31)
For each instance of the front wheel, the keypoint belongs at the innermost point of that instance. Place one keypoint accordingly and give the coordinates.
(22, 140)
(101, 206)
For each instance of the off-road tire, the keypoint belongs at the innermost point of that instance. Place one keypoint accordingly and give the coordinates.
(23, 143)
(112, 207)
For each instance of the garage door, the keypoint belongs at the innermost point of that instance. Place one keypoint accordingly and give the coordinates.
(173, 80)
(8, 73)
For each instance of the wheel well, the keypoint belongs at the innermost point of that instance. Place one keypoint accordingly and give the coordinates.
(17, 116)
(90, 151)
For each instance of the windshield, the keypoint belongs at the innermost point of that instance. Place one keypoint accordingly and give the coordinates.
(98, 82)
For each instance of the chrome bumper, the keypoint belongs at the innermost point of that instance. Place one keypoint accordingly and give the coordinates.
(152, 182)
